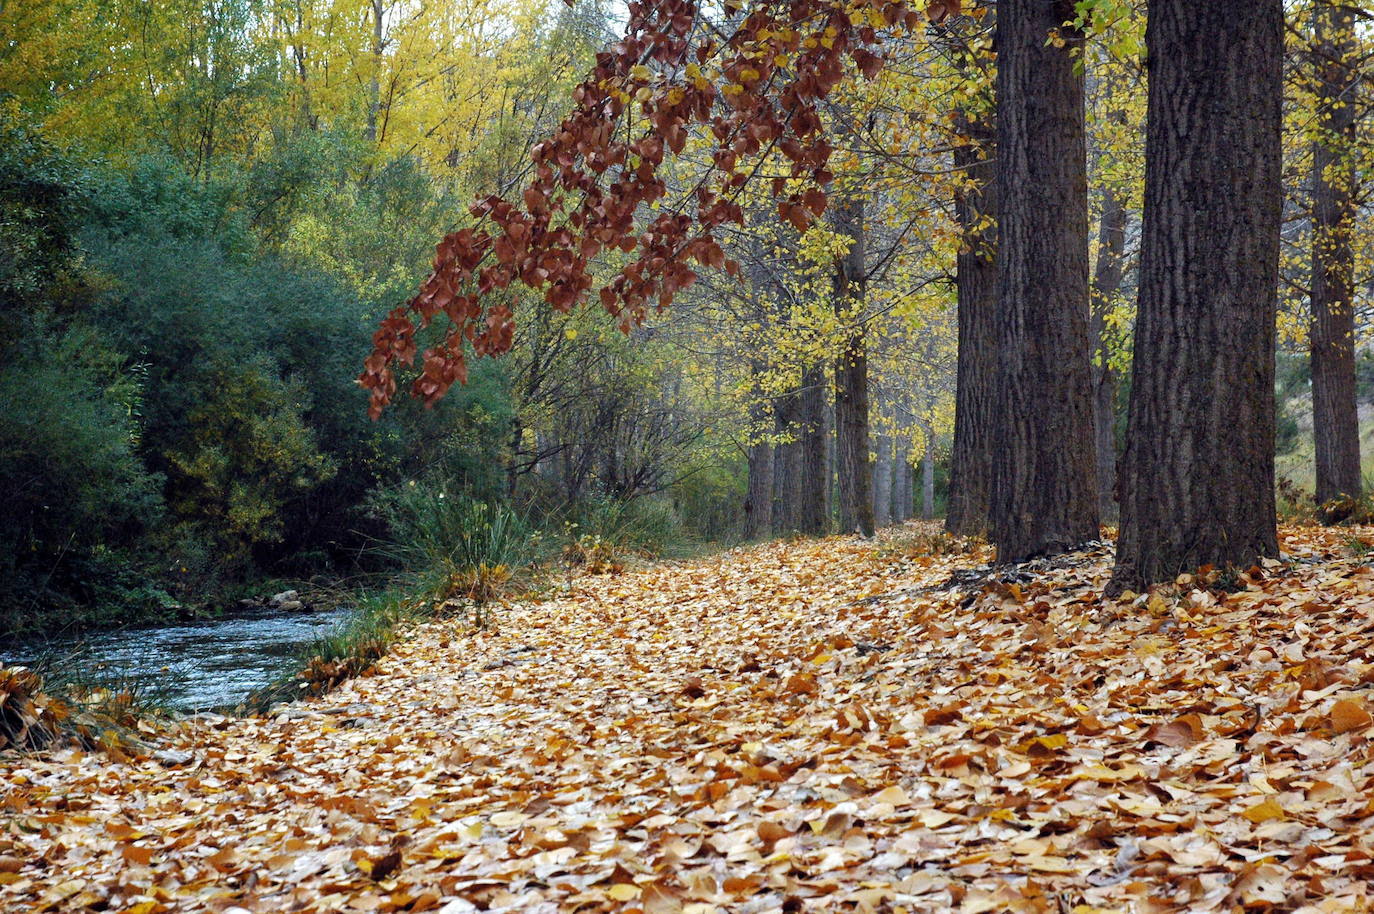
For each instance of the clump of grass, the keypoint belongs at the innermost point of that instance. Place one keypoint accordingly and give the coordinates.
(469, 547)
(351, 649)
(60, 700)
(1295, 504)
(591, 554)
(641, 526)
(1357, 547)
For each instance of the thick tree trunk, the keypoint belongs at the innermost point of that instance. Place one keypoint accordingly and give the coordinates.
(1197, 481)
(758, 504)
(854, 467)
(1107, 276)
(975, 399)
(1045, 498)
(813, 497)
(1335, 415)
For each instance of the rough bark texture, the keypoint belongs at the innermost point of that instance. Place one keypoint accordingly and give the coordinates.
(1107, 276)
(882, 482)
(854, 466)
(928, 479)
(975, 399)
(758, 504)
(787, 466)
(908, 496)
(1197, 479)
(1335, 415)
(1045, 497)
(813, 507)
(901, 506)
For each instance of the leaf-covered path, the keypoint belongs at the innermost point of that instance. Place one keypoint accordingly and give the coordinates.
(801, 726)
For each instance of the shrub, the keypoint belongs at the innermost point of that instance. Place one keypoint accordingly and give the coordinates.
(70, 478)
(460, 540)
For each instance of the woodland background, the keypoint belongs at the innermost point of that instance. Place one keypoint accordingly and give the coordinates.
(207, 205)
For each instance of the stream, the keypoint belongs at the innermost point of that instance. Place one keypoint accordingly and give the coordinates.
(195, 666)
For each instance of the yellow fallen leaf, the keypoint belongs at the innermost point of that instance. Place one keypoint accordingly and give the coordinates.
(624, 891)
(1263, 812)
(894, 795)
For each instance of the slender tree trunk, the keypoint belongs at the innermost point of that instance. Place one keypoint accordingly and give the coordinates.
(975, 399)
(1111, 246)
(899, 458)
(1197, 481)
(928, 479)
(374, 85)
(908, 477)
(882, 482)
(854, 466)
(1335, 414)
(1045, 498)
(814, 502)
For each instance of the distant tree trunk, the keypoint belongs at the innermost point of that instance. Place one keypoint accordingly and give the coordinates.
(374, 86)
(882, 482)
(814, 502)
(970, 471)
(758, 503)
(1045, 498)
(854, 467)
(901, 509)
(908, 499)
(928, 479)
(1197, 479)
(787, 473)
(1335, 414)
(1111, 246)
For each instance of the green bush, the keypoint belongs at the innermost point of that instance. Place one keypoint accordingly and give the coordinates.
(70, 478)
(434, 530)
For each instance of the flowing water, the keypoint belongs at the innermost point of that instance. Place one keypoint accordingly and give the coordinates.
(196, 666)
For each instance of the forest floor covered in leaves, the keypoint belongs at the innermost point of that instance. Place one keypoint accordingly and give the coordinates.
(817, 725)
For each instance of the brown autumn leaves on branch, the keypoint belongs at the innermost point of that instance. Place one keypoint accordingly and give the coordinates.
(756, 88)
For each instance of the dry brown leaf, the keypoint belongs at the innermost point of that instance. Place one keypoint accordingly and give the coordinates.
(1350, 714)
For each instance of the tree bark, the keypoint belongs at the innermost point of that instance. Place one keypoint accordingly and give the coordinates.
(813, 497)
(758, 503)
(928, 479)
(900, 510)
(882, 482)
(1335, 414)
(975, 398)
(854, 466)
(1045, 492)
(1107, 276)
(787, 472)
(1197, 479)
(908, 494)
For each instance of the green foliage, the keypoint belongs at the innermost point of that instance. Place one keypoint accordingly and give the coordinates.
(646, 525)
(435, 529)
(70, 479)
(246, 455)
